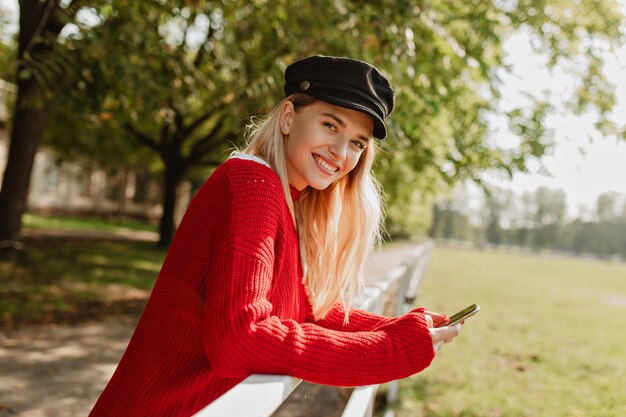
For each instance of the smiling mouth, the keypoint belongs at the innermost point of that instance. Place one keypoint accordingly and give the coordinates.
(325, 166)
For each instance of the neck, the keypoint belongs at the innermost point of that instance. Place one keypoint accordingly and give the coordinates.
(295, 193)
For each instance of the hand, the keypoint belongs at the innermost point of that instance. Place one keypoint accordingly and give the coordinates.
(440, 335)
(436, 319)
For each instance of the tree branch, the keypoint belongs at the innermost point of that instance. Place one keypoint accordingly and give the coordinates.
(179, 135)
(199, 145)
(209, 162)
(143, 138)
(205, 146)
(189, 25)
(202, 51)
(188, 130)
(165, 129)
(42, 22)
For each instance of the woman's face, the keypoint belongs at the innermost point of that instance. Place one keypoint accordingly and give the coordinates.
(324, 142)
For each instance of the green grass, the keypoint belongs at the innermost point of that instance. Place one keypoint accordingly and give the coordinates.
(550, 339)
(62, 279)
(84, 223)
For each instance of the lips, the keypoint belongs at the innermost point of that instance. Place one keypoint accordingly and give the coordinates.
(325, 165)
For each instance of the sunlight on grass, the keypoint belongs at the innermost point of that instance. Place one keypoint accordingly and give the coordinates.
(51, 279)
(146, 266)
(546, 343)
(84, 223)
(96, 260)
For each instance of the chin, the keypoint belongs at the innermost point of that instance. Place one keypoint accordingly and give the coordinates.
(320, 184)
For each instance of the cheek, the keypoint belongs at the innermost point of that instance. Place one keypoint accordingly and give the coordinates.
(298, 142)
(293, 148)
(352, 161)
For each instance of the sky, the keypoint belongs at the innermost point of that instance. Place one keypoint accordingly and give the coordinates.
(582, 162)
(583, 168)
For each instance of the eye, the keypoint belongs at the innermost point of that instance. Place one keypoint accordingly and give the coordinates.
(359, 144)
(330, 125)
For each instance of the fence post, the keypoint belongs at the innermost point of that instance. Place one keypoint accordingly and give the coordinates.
(405, 299)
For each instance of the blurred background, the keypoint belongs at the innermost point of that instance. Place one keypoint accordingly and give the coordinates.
(507, 146)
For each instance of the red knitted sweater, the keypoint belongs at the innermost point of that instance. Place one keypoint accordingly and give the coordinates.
(229, 302)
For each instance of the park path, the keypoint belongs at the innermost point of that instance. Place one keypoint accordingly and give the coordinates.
(60, 370)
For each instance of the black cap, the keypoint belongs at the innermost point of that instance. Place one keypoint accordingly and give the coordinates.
(344, 82)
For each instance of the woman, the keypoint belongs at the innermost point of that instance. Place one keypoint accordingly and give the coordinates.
(272, 248)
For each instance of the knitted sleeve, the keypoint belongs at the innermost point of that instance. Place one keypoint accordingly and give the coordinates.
(241, 335)
(359, 320)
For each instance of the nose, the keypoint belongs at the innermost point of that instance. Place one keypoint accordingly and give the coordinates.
(339, 149)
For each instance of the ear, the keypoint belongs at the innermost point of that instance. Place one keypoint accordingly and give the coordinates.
(287, 113)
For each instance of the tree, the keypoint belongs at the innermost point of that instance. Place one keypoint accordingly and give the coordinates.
(608, 206)
(493, 230)
(550, 206)
(449, 222)
(549, 213)
(181, 88)
(40, 23)
(181, 80)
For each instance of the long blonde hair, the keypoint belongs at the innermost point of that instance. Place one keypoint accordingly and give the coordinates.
(338, 227)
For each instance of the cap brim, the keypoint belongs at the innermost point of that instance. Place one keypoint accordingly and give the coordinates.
(380, 130)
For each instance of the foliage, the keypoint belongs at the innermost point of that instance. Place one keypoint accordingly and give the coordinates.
(7, 53)
(39, 63)
(7, 47)
(536, 221)
(171, 86)
(451, 223)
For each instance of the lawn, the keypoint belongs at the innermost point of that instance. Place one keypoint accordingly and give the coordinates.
(85, 223)
(56, 281)
(550, 339)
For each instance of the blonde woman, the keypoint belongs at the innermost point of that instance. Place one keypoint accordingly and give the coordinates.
(270, 252)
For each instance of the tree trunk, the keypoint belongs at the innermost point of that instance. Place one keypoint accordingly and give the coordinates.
(172, 177)
(28, 126)
(29, 121)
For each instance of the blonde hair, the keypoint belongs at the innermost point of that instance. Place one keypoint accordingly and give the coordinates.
(338, 227)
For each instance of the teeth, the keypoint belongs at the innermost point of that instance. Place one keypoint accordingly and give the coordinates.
(325, 165)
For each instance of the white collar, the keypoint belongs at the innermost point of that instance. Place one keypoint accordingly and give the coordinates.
(248, 157)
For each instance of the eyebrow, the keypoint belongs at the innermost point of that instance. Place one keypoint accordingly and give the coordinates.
(343, 125)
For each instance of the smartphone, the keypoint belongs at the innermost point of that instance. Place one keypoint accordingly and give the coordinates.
(462, 315)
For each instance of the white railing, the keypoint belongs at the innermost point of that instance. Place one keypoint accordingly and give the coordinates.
(261, 395)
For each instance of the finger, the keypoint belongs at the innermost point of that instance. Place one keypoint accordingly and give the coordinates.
(453, 331)
(438, 319)
(429, 321)
(446, 333)
(437, 346)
